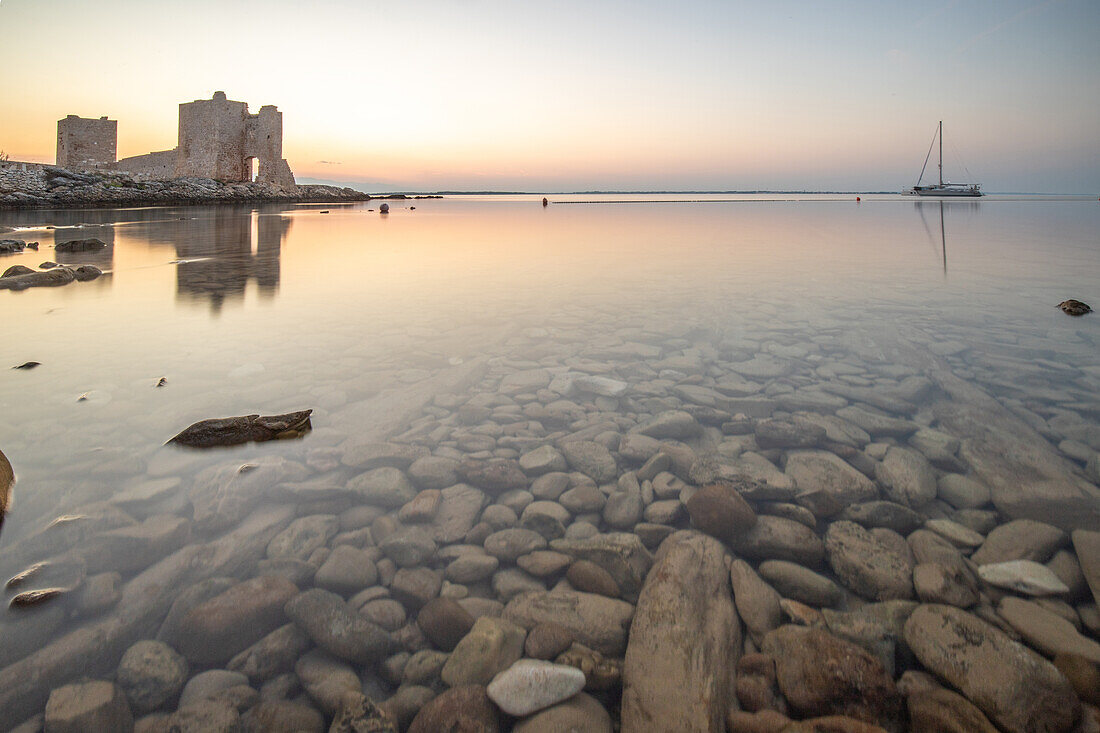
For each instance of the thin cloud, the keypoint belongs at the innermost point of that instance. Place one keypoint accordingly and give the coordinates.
(329, 162)
(971, 42)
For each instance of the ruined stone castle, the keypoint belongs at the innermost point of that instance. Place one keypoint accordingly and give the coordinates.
(218, 139)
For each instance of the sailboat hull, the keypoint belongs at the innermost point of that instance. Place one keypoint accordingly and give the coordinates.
(945, 191)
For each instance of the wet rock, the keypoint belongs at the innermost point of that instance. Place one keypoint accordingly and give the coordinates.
(962, 492)
(212, 717)
(949, 583)
(884, 514)
(719, 511)
(624, 506)
(799, 583)
(272, 655)
(88, 706)
(80, 245)
(509, 544)
(826, 484)
(494, 476)
(794, 433)
(820, 674)
(777, 538)
(671, 424)
(588, 577)
(876, 423)
(224, 495)
(491, 646)
(282, 716)
(1045, 630)
(600, 673)
(545, 459)
(547, 641)
(906, 477)
(422, 508)
(248, 428)
(360, 715)
(955, 533)
(1087, 546)
(590, 458)
(13, 271)
(229, 623)
(409, 547)
(471, 568)
(757, 602)
(1020, 539)
(459, 508)
(433, 472)
(445, 622)
(462, 709)
(385, 612)
(1016, 688)
(548, 518)
(151, 674)
(681, 672)
(756, 685)
(413, 587)
(385, 487)
(50, 278)
(99, 593)
(530, 685)
(580, 714)
(1082, 674)
(943, 711)
(336, 628)
(327, 680)
(595, 621)
(866, 565)
(347, 570)
(127, 549)
(1023, 576)
(210, 684)
(84, 273)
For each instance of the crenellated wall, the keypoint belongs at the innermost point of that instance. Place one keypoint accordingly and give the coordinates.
(156, 166)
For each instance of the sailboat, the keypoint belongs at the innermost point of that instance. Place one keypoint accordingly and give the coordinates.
(941, 188)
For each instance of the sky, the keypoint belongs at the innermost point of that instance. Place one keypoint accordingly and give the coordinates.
(564, 95)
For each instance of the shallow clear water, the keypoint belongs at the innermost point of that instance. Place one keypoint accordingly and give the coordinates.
(269, 309)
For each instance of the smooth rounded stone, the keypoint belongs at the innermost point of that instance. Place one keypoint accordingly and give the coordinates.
(886, 514)
(794, 512)
(877, 424)
(1046, 631)
(358, 453)
(866, 565)
(303, 536)
(347, 570)
(1023, 576)
(682, 671)
(982, 521)
(550, 486)
(757, 602)
(582, 529)
(927, 546)
(530, 685)
(384, 487)
(458, 511)
(508, 544)
(943, 711)
(1064, 564)
(424, 667)
(186, 601)
(638, 448)
(937, 446)
(471, 568)
(1087, 546)
(598, 622)
(820, 674)
(282, 716)
(495, 475)
(544, 459)
(143, 498)
(826, 484)
(801, 584)
(589, 577)
(491, 646)
(95, 705)
(621, 554)
(229, 623)
(719, 511)
(906, 477)
(133, 548)
(1082, 674)
(776, 538)
(962, 492)
(223, 495)
(499, 517)
(511, 582)
(327, 680)
(214, 716)
(461, 709)
(413, 587)
(624, 506)
(947, 583)
(444, 622)
(548, 518)
(670, 511)
(581, 713)
(547, 640)
(98, 593)
(433, 472)
(409, 547)
(208, 684)
(338, 629)
(670, 424)
(385, 612)
(582, 499)
(1016, 688)
(1020, 539)
(590, 458)
(793, 433)
(404, 704)
(272, 655)
(422, 508)
(544, 563)
(151, 673)
(516, 500)
(298, 572)
(954, 532)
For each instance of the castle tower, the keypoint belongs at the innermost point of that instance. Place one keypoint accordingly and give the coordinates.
(85, 144)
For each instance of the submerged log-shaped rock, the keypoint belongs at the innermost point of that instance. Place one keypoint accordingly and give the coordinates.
(80, 245)
(7, 481)
(244, 429)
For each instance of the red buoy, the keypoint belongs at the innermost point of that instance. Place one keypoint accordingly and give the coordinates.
(857, 198)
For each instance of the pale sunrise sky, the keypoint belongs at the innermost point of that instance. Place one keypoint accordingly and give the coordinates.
(558, 95)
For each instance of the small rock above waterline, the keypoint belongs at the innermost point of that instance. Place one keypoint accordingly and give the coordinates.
(1074, 307)
(1023, 576)
(228, 431)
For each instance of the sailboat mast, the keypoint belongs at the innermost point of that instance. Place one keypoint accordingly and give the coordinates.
(941, 151)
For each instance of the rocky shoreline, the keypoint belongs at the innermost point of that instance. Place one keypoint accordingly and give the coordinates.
(649, 532)
(49, 187)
